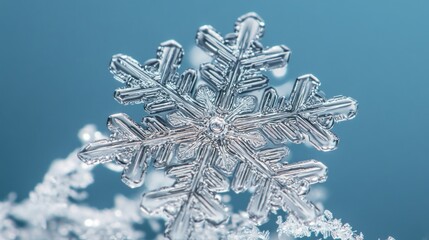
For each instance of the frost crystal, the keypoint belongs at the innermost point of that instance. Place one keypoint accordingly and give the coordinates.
(54, 209)
(325, 225)
(215, 135)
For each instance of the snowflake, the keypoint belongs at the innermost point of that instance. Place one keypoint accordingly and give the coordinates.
(214, 135)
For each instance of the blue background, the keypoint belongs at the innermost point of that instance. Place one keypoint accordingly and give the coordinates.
(54, 80)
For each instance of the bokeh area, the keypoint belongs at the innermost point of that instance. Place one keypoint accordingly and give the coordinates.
(54, 79)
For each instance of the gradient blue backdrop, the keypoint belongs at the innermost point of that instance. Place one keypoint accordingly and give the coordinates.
(54, 79)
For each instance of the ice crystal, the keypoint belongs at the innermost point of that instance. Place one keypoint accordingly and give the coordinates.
(216, 136)
(239, 227)
(325, 225)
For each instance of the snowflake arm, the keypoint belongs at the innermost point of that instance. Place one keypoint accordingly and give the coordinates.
(192, 197)
(239, 59)
(278, 185)
(156, 83)
(133, 146)
(304, 116)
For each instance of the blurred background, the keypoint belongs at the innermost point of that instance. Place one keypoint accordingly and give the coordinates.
(55, 79)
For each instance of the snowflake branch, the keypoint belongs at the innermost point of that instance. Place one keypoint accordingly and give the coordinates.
(133, 147)
(155, 82)
(191, 198)
(305, 115)
(275, 181)
(239, 58)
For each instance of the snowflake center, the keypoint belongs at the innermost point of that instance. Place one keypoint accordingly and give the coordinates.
(216, 127)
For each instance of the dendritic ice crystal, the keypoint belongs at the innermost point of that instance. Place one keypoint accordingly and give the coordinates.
(209, 133)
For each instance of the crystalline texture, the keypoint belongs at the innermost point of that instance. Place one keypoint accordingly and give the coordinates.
(325, 226)
(54, 209)
(218, 136)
